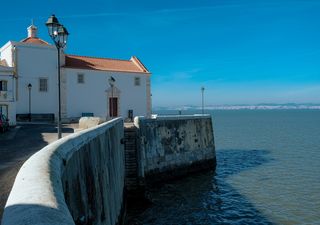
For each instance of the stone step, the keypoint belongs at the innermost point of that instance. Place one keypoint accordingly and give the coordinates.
(131, 177)
(131, 159)
(131, 152)
(131, 164)
(131, 170)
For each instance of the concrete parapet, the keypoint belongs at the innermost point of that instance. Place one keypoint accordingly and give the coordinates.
(78, 179)
(172, 146)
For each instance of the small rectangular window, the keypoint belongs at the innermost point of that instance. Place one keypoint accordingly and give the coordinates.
(137, 81)
(80, 78)
(3, 85)
(43, 85)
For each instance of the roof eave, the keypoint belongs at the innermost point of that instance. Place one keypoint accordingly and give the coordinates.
(6, 69)
(136, 61)
(115, 71)
(6, 45)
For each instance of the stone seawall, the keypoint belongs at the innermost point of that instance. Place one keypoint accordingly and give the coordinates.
(173, 146)
(78, 179)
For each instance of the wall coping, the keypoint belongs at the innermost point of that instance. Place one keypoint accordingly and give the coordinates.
(37, 196)
(137, 119)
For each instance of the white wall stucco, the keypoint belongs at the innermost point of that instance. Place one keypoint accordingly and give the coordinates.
(7, 98)
(92, 95)
(7, 53)
(35, 62)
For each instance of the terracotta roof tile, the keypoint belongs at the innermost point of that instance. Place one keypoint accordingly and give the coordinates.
(35, 40)
(94, 63)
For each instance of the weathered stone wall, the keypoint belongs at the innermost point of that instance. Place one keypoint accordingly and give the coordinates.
(76, 180)
(175, 145)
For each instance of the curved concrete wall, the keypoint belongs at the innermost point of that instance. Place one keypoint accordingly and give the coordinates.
(78, 179)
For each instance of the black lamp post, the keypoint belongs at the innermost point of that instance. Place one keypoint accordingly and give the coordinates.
(29, 88)
(111, 83)
(59, 35)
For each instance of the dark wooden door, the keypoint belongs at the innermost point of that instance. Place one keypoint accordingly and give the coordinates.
(113, 107)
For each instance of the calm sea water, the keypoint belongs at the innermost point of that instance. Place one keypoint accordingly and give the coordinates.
(268, 172)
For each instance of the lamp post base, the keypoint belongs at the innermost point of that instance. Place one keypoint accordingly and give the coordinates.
(59, 130)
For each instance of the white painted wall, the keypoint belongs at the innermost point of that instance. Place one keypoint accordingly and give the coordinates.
(8, 98)
(34, 62)
(92, 95)
(6, 53)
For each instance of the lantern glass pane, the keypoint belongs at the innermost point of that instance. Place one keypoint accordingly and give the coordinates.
(50, 29)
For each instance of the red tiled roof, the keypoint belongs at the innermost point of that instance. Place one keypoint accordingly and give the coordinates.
(93, 63)
(35, 40)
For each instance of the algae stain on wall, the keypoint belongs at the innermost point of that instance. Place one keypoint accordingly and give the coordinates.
(167, 143)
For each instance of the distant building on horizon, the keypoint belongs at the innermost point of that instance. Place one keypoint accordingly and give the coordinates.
(85, 88)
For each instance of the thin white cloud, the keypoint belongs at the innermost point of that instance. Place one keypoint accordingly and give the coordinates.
(168, 10)
(175, 10)
(109, 14)
(22, 19)
(147, 13)
(189, 9)
(104, 14)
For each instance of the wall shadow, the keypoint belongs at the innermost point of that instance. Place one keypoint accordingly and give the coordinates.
(14, 151)
(207, 198)
(20, 214)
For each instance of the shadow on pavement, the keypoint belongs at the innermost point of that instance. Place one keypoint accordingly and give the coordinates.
(14, 151)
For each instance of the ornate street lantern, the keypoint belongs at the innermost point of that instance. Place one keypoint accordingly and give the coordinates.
(59, 35)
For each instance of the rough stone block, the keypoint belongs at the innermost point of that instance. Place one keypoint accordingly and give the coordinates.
(88, 122)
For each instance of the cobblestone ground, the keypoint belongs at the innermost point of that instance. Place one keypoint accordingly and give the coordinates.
(17, 145)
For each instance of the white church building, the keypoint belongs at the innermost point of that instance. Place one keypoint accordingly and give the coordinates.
(29, 83)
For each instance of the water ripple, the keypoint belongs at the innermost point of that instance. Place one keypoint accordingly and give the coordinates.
(206, 198)
(267, 172)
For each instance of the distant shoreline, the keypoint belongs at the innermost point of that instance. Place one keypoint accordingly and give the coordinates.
(240, 107)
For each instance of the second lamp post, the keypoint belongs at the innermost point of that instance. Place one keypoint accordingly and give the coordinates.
(29, 88)
(59, 35)
(202, 99)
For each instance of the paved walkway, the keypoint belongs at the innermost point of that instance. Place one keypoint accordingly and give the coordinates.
(17, 145)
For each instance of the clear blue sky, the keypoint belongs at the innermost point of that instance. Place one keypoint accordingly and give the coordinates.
(243, 52)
